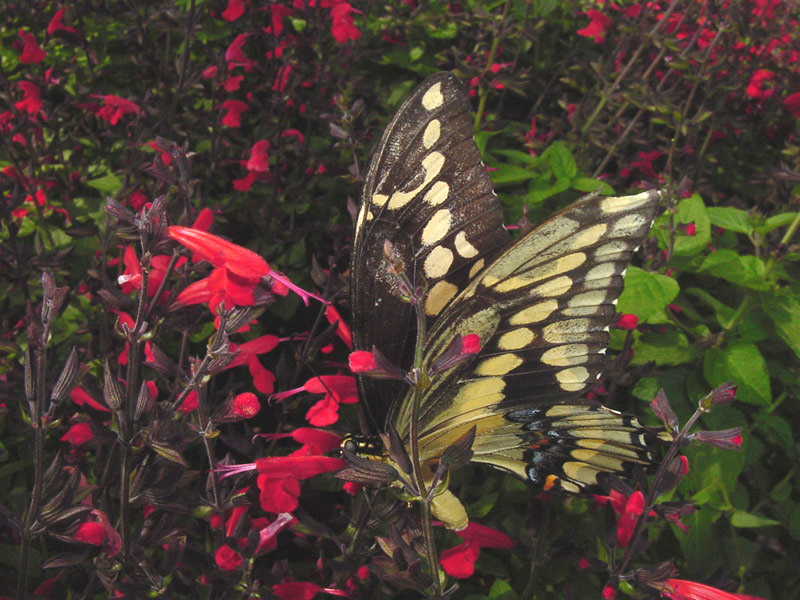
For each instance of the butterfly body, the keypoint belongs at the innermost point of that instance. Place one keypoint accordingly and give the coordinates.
(541, 305)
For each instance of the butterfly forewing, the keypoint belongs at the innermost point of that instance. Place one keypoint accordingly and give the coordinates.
(427, 192)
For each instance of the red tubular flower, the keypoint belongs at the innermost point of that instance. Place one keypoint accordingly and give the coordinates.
(234, 10)
(91, 532)
(80, 397)
(277, 13)
(682, 589)
(115, 108)
(459, 561)
(227, 558)
(267, 535)
(259, 158)
(78, 434)
(597, 27)
(57, 23)
(220, 252)
(303, 590)
(342, 27)
(32, 53)
(279, 478)
(31, 101)
(628, 321)
(342, 330)
(233, 114)
(627, 520)
(314, 441)
(362, 361)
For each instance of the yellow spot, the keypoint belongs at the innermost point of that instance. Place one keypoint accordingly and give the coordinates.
(601, 271)
(433, 97)
(463, 247)
(379, 199)
(431, 134)
(437, 194)
(566, 332)
(438, 262)
(628, 224)
(516, 339)
(578, 471)
(564, 356)
(617, 204)
(432, 164)
(589, 236)
(554, 287)
(437, 227)
(572, 379)
(475, 268)
(611, 248)
(595, 298)
(438, 297)
(534, 314)
(598, 459)
(619, 442)
(499, 365)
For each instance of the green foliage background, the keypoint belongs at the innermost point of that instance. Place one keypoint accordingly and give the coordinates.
(672, 94)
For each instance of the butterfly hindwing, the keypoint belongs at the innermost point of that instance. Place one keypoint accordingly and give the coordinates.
(427, 192)
(541, 305)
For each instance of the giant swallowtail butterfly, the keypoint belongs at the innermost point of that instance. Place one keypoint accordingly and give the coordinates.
(542, 306)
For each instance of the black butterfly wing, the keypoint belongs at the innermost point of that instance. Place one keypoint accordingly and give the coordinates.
(427, 192)
(542, 310)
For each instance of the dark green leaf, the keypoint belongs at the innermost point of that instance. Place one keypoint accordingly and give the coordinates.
(742, 363)
(647, 294)
(733, 219)
(784, 311)
(742, 270)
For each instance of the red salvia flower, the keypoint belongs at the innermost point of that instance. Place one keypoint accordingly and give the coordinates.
(342, 27)
(627, 321)
(597, 27)
(234, 10)
(342, 329)
(57, 23)
(459, 561)
(233, 114)
(303, 590)
(115, 108)
(259, 158)
(627, 520)
(78, 434)
(682, 589)
(32, 53)
(31, 101)
(227, 558)
(277, 13)
(91, 532)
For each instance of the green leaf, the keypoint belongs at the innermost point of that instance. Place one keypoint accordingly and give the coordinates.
(722, 312)
(587, 184)
(746, 519)
(507, 173)
(776, 430)
(520, 157)
(742, 270)
(108, 184)
(692, 210)
(539, 195)
(794, 522)
(501, 590)
(733, 219)
(647, 294)
(784, 311)
(742, 363)
(668, 348)
(561, 160)
(775, 221)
